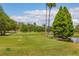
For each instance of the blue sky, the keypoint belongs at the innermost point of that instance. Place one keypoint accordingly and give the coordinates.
(18, 8)
(35, 12)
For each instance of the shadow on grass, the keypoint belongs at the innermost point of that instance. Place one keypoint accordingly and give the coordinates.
(60, 39)
(8, 34)
(65, 40)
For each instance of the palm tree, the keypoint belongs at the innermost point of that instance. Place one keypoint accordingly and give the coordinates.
(50, 5)
(46, 20)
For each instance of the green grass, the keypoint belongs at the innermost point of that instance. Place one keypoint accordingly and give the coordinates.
(35, 44)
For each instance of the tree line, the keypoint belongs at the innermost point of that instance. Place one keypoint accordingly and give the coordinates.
(31, 27)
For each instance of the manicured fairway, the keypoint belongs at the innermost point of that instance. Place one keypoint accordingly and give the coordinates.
(35, 43)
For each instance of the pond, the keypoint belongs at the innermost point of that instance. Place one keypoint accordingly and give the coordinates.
(75, 40)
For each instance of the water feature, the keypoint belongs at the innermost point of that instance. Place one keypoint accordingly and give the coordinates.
(74, 39)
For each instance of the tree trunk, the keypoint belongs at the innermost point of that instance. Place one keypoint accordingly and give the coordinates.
(2, 33)
(49, 21)
(46, 21)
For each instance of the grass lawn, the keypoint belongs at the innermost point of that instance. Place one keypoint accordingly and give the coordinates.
(35, 44)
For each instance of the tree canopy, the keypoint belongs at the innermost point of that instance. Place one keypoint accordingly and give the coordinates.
(6, 23)
(63, 25)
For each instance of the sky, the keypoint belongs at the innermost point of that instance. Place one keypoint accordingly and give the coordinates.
(35, 12)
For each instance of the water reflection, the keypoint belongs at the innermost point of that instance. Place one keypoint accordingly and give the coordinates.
(75, 40)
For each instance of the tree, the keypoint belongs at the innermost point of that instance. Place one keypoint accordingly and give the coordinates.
(2, 26)
(3, 22)
(46, 19)
(63, 25)
(6, 23)
(34, 27)
(11, 25)
(23, 27)
(50, 5)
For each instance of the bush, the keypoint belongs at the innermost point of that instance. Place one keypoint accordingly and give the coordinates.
(8, 49)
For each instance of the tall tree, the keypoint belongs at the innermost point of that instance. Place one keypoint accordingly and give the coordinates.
(50, 5)
(63, 25)
(2, 22)
(46, 20)
(5, 22)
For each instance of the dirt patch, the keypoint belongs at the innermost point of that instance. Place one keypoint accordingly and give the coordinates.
(74, 45)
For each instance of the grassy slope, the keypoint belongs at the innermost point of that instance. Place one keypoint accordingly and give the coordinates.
(35, 44)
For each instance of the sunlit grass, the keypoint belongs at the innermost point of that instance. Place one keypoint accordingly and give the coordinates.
(35, 43)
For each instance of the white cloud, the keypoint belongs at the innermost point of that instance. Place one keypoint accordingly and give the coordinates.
(75, 22)
(75, 15)
(38, 16)
(75, 12)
